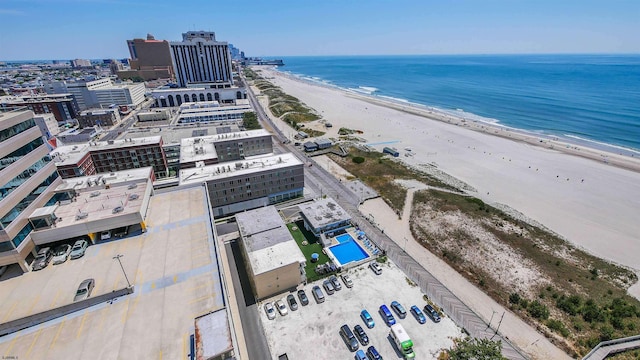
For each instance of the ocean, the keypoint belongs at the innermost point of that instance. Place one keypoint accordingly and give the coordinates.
(588, 99)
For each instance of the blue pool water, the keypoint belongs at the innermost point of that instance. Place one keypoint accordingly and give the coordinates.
(344, 238)
(348, 250)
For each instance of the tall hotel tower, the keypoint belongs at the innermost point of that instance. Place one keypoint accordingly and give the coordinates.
(199, 60)
(27, 179)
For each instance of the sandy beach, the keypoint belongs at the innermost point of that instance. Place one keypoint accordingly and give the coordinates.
(588, 196)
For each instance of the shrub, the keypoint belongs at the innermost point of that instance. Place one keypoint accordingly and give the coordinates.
(358, 159)
(591, 312)
(558, 326)
(514, 298)
(606, 333)
(571, 305)
(538, 310)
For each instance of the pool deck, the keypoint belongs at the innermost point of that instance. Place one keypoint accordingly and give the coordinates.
(353, 232)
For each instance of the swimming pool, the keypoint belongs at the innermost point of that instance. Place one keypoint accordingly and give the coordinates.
(348, 250)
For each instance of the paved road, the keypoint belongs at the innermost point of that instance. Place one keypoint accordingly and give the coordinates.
(320, 179)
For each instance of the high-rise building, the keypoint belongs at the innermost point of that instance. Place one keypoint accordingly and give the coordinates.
(100, 92)
(150, 59)
(81, 90)
(200, 60)
(27, 177)
(80, 63)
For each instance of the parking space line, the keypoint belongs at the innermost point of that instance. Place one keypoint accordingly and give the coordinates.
(103, 314)
(11, 344)
(55, 299)
(199, 299)
(175, 279)
(33, 342)
(55, 338)
(84, 317)
(34, 302)
(10, 312)
(200, 286)
(125, 314)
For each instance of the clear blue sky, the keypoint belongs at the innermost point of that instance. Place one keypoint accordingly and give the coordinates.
(68, 29)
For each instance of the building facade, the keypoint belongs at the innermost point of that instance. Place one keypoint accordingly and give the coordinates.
(27, 176)
(211, 112)
(177, 97)
(111, 156)
(200, 59)
(150, 59)
(99, 117)
(81, 90)
(120, 94)
(213, 149)
(63, 106)
(248, 184)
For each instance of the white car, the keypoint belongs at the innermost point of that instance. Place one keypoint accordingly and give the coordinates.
(61, 254)
(376, 268)
(282, 308)
(271, 312)
(347, 280)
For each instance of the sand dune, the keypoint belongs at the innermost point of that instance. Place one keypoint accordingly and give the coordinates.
(592, 199)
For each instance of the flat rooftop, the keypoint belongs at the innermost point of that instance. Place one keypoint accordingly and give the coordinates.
(175, 134)
(173, 267)
(213, 336)
(71, 154)
(268, 242)
(238, 168)
(203, 147)
(323, 212)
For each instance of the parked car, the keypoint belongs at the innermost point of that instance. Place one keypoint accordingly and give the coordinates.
(335, 282)
(78, 249)
(84, 290)
(399, 309)
(368, 320)
(418, 314)
(61, 254)
(360, 355)
(387, 316)
(105, 235)
(318, 294)
(432, 313)
(376, 268)
(304, 300)
(372, 354)
(361, 335)
(328, 286)
(42, 259)
(349, 338)
(282, 308)
(347, 280)
(270, 311)
(293, 305)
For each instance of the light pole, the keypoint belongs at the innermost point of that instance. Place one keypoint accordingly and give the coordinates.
(117, 257)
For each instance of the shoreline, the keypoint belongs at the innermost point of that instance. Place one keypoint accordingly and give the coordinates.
(590, 203)
(551, 142)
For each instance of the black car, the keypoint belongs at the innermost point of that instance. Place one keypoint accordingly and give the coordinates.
(43, 259)
(361, 335)
(372, 354)
(432, 313)
(304, 300)
(399, 309)
(293, 305)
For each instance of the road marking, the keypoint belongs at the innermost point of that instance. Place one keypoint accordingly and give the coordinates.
(160, 354)
(34, 302)
(199, 299)
(125, 314)
(10, 312)
(103, 314)
(55, 299)
(175, 279)
(53, 341)
(35, 339)
(11, 344)
(200, 286)
(84, 317)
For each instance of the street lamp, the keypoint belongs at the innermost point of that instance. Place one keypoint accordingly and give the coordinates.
(117, 257)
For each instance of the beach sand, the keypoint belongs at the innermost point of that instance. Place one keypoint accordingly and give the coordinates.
(588, 196)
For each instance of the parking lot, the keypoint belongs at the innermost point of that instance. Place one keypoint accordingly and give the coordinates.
(312, 330)
(175, 275)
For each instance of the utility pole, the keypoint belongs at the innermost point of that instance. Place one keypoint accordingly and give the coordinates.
(117, 257)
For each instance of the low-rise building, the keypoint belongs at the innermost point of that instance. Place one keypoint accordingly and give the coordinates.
(77, 135)
(63, 106)
(218, 148)
(250, 183)
(274, 261)
(210, 112)
(324, 216)
(93, 204)
(171, 97)
(99, 117)
(154, 115)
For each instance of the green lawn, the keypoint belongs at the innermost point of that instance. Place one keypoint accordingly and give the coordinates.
(313, 246)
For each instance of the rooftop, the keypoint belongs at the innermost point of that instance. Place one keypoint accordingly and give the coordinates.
(175, 134)
(323, 212)
(203, 147)
(238, 168)
(213, 336)
(71, 154)
(268, 242)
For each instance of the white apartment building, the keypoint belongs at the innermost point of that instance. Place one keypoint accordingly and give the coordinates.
(100, 92)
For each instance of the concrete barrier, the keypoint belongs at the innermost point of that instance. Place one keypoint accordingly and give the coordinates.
(39, 318)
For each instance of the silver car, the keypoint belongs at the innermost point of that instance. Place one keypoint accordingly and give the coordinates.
(84, 290)
(270, 311)
(61, 254)
(78, 249)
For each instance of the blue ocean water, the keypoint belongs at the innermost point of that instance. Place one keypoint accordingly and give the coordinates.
(589, 98)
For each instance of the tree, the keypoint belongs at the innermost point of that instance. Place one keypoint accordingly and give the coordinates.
(250, 121)
(475, 349)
